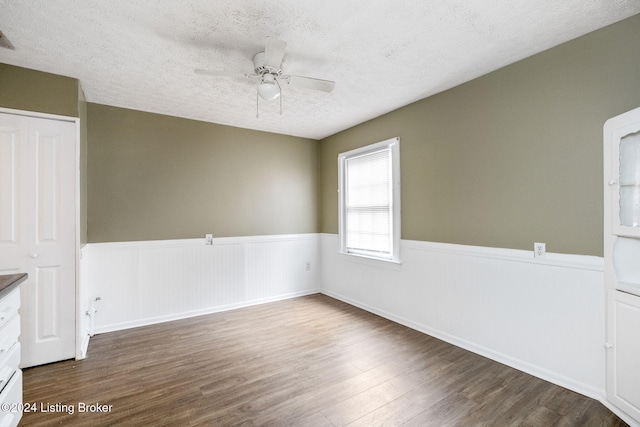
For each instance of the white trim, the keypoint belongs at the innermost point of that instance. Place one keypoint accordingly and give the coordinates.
(80, 350)
(194, 313)
(523, 366)
(39, 115)
(403, 277)
(370, 261)
(146, 282)
(198, 241)
(582, 262)
(393, 145)
(534, 314)
(83, 348)
(81, 285)
(620, 413)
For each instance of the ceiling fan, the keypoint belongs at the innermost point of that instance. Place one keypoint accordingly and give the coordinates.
(267, 69)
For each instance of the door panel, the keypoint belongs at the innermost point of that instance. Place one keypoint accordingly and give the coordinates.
(13, 241)
(47, 187)
(623, 364)
(47, 300)
(43, 204)
(51, 333)
(8, 188)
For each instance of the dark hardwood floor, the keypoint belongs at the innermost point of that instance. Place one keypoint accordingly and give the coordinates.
(310, 361)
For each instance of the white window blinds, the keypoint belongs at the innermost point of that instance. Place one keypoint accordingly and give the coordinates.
(368, 202)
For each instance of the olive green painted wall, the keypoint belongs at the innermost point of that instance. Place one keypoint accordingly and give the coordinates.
(505, 160)
(159, 177)
(31, 90)
(513, 157)
(82, 114)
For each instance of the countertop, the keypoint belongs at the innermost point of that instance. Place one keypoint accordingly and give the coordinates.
(8, 282)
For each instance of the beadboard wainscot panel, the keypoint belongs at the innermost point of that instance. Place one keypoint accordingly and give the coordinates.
(544, 316)
(84, 319)
(140, 283)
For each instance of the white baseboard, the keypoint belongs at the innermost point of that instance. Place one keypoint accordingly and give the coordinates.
(83, 348)
(520, 365)
(202, 312)
(141, 283)
(543, 316)
(620, 413)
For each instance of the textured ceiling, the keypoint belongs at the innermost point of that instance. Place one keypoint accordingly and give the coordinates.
(383, 54)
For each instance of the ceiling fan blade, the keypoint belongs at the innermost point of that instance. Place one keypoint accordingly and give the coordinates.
(218, 73)
(274, 52)
(311, 83)
(4, 42)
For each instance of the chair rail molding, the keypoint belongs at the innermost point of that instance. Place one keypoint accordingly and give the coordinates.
(140, 283)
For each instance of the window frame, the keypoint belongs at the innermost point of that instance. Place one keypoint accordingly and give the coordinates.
(393, 145)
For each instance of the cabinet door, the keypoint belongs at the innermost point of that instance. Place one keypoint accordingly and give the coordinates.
(623, 358)
(622, 140)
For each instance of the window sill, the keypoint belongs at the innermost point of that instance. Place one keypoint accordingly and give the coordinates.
(371, 261)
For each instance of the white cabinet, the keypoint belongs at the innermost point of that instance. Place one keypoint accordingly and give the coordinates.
(624, 145)
(622, 260)
(10, 374)
(623, 362)
(628, 214)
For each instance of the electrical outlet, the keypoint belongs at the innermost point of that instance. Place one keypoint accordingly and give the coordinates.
(307, 266)
(208, 239)
(539, 249)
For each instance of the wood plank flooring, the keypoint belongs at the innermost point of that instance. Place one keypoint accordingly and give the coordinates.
(310, 361)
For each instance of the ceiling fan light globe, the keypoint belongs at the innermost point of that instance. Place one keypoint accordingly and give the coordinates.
(269, 91)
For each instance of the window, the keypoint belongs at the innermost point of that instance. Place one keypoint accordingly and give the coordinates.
(369, 202)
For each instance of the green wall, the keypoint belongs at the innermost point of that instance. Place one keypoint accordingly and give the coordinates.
(513, 157)
(82, 114)
(31, 90)
(145, 176)
(160, 177)
(507, 159)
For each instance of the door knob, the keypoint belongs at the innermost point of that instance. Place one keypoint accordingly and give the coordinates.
(33, 255)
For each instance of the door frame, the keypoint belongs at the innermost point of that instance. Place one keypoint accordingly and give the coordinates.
(82, 340)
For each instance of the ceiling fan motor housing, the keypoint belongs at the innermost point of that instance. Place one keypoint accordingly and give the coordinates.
(261, 69)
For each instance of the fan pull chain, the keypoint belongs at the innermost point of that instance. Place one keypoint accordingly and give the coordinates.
(258, 100)
(280, 89)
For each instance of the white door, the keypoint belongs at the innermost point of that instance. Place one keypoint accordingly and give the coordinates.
(13, 242)
(37, 231)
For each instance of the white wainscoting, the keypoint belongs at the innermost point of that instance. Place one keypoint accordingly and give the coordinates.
(84, 318)
(141, 283)
(544, 316)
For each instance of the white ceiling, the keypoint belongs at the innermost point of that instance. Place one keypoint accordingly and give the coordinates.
(383, 54)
